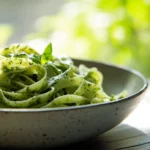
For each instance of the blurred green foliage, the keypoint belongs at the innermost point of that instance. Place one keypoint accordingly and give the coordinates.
(115, 31)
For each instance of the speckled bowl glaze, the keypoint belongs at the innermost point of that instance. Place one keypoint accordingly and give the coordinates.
(61, 126)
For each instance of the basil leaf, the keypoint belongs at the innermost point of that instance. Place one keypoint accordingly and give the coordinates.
(35, 58)
(47, 54)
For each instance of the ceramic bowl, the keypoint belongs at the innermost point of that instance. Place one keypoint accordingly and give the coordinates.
(61, 126)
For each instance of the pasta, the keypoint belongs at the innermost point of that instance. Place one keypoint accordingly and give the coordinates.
(31, 80)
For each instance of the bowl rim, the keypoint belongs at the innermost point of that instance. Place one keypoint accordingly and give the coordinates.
(133, 71)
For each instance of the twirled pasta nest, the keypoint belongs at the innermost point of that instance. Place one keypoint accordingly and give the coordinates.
(31, 80)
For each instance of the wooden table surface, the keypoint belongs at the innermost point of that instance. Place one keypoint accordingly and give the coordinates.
(132, 134)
